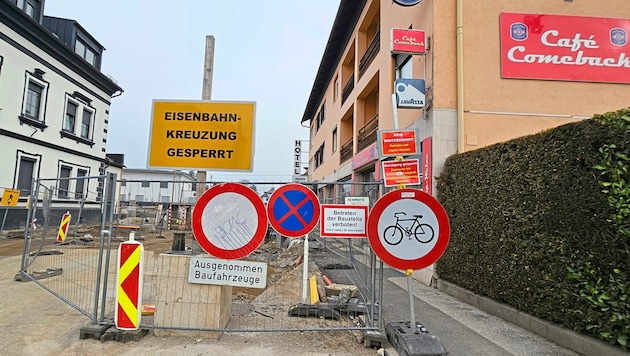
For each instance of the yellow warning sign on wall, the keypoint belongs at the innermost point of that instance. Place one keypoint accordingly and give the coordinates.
(10, 197)
(206, 135)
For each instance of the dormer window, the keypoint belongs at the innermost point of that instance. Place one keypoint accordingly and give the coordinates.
(30, 7)
(85, 52)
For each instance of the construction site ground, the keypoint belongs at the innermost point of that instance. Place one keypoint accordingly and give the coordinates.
(34, 322)
(37, 323)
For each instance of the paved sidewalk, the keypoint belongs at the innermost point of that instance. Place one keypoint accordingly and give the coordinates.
(467, 330)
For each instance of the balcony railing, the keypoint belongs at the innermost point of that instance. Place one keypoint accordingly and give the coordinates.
(370, 53)
(347, 89)
(346, 151)
(367, 134)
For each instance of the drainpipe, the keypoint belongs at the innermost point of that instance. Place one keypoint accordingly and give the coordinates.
(460, 77)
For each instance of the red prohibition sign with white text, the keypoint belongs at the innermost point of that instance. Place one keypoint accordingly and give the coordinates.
(408, 229)
(229, 221)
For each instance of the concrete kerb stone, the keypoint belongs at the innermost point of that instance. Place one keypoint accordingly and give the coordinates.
(580, 343)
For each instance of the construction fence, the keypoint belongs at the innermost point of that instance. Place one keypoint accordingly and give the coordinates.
(71, 249)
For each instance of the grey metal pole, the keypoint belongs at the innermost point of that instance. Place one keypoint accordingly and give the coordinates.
(32, 210)
(5, 218)
(108, 217)
(409, 272)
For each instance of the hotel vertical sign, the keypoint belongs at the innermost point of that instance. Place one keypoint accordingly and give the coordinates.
(297, 158)
(567, 48)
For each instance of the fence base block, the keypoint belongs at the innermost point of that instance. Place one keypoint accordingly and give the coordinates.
(114, 334)
(93, 331)
(374, 339)
(406, 342)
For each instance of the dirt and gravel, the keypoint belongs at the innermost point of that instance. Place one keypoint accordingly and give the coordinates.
(37, 323)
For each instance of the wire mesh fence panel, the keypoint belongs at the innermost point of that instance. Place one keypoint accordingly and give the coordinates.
(63, 245)
(267, 290)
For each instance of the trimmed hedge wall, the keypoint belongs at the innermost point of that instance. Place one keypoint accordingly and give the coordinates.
(524, 211)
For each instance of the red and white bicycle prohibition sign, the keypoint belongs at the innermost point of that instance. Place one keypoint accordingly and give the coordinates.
(229, 221)
(408, 229)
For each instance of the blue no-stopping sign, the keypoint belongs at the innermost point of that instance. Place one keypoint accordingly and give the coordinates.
(293, 210)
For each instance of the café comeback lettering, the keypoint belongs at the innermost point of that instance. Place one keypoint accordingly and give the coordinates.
(408, 40)
(552, 38)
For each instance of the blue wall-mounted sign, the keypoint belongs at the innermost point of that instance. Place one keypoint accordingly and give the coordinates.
(410, 93)
(407, 2)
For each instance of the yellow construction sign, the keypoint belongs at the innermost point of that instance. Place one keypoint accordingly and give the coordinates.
(207, 135)
(10, 197)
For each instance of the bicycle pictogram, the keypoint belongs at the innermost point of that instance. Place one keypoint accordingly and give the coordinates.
(394, 234)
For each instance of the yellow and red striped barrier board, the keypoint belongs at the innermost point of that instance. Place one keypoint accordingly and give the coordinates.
(63, 227)
(129, 286)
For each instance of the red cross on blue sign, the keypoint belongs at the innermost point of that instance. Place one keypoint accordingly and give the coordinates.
(293, 210)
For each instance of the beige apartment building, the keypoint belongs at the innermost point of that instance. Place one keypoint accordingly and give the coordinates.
(493, 70)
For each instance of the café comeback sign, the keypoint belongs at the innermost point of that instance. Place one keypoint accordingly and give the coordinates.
(568, 48)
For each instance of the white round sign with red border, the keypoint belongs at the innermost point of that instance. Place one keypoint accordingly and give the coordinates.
(408, 229)
(229, 221)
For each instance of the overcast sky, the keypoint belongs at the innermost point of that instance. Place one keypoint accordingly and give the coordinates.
(265, 51)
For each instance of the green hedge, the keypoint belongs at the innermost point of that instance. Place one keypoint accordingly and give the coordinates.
(529, 219)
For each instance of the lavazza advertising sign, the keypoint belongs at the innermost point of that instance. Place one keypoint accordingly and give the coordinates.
(570, 48)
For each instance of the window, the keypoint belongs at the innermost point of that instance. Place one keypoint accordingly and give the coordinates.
(25, 175)
(334, 140)
(123, 183)
(30, 7)
(123, 197)
(71, 116)
(145, 184)
(64, 182)
(336, 89)
(404, 68)
(166, 199)
(139, 197)
(319, 156)
(319, 119)
(85, 52)
(163, 184)
(86, 123)
(33, 100)
(79, 191)
(78, 120)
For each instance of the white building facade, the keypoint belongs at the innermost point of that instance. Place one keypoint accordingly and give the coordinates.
(153, 186)
(54, 102)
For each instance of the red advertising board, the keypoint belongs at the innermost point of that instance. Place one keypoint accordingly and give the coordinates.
(427, 170)
(570, 48)
(401, 172)
(398, 142)
(408, 41)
